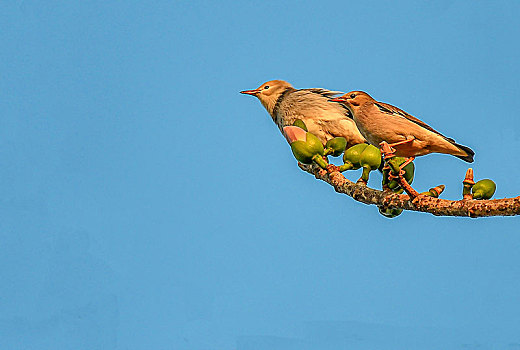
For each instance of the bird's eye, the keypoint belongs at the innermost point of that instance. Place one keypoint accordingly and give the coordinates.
(266, 87)
(352, 95)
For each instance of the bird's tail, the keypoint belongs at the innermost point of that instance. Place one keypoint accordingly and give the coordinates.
(469, 153)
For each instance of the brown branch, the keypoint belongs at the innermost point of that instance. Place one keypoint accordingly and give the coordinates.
(427, 204)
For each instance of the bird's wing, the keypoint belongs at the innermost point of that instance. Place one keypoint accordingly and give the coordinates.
(392, 110)
(323, 92)
(327, 94)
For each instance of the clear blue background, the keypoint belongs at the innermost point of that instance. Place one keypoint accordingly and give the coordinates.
(146, 204)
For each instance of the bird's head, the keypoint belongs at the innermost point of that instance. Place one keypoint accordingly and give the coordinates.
(269, 92)
(353, 99)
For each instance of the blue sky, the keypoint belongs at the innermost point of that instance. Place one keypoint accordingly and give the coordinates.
(146, 204)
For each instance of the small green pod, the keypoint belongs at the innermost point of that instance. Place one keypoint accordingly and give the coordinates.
(370, 157)
(337, 145)
(394, 185)
(303, 151)
(484, 189)
(299, 123)
(314, 144)
(353, 154)
(390, 213)
(409, 171)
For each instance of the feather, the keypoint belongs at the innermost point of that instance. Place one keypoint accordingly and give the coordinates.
(323, 92)
(392, 110)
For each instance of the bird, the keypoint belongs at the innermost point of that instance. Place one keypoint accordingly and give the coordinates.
(326, 120)
(409, 137)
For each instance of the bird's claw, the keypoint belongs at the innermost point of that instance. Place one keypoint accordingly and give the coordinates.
(406, 162)
(391, 175)
(386, 150)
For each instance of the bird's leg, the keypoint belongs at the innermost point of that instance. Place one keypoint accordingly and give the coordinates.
(406, 162)
(386, 150)
(397, 172)
(385, 184)
(388, 153)
(401, 142)
(402, 181)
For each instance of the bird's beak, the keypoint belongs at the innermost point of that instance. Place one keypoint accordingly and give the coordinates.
(250, 92)
(338, 99)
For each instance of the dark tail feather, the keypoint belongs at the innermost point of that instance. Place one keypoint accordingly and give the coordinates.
(469, 151)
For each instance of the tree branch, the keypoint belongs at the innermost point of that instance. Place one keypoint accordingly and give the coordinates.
(427, 204)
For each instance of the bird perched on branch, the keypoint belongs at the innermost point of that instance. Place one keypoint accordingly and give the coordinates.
(326, 120)
(408, 136)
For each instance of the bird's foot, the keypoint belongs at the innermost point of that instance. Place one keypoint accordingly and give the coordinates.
(392, 176)
(386, 150)
(403, 183)
(396, 171)
(406, 162)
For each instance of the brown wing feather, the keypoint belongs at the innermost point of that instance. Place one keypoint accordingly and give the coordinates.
(328, 94)
(323, 92)
(389, 109)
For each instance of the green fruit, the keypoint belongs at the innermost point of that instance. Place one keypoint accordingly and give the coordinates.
(394, 185)
(370, 157)
(304, 151)
(409, 168)
(301, 152)
(390, 213)
(353, 154)
(299, 123)
(409, 171)
(484, 189)
(314, 144)
(337, 145)
(408, 175)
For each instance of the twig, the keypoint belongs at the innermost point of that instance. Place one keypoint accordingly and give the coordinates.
(427, 204)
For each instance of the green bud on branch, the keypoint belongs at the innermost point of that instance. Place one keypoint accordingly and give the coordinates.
(390, 212)
(336, 146)
(484, 189)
